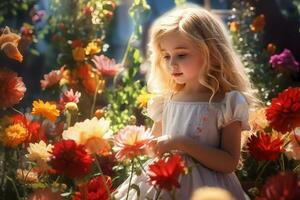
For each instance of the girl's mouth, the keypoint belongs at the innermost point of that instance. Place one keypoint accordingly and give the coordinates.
(177, 74)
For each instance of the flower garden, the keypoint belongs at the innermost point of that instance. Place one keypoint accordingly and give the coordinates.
(86, 132)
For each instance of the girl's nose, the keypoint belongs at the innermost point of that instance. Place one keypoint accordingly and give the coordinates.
(173, 63)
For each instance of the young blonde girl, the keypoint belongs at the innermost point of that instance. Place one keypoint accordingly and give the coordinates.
(204, 101)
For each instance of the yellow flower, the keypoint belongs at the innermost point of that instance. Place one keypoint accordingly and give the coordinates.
(91, 133)
(46, 110)
(14, 135)
(78, 54)
(40, 153)
(92, 48)
(143, 99)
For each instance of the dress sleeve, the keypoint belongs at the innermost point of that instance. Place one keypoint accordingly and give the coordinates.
(155, 108)
(234, 108)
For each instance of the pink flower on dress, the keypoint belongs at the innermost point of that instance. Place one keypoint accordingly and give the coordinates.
(69, 96)
(106, 66)
(51, 79)
(12, 88)
(131, 141)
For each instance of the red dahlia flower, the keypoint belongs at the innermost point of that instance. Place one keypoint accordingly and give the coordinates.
(283, 186)
(284, 111)
(94, 189)
(164, 173)
(263, 147)
(70, 159)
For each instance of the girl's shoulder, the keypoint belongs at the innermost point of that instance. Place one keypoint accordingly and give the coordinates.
(155, 106)
(234, 108)
(234, 97)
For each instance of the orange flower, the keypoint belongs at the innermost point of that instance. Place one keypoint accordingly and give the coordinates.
(131, 141)
(84, 70)
(92, 48)
(12, 88)
(271, 48)
(90, 83)
(46, 110)
(99, 113)
(69, 77)
(234, 26)
(78, 54)
(9, 44)
(14, 135)
(258, 24)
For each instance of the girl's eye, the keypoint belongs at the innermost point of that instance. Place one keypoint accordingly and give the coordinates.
(181, 56)
(166, 57)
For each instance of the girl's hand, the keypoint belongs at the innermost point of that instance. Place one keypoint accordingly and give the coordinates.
(167, 144)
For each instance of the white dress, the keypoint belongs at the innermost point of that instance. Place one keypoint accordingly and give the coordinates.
(203, 122)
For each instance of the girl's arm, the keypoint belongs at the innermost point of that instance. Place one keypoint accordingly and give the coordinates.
(156, 132)
(156, 129)
(223, 160)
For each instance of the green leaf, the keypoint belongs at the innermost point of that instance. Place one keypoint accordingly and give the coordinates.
(24, 6)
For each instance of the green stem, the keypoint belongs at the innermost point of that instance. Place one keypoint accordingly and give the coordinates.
(281, 161)
(139, 161)
(157, 194)
(123, 62)
(4, 169)
(127, 51)
(94, 99)
(262, 170)
(25, 178)
(102, 176)
(15, 187)
(174, 194)
(131, 174)
(14, 109)
(68, 118)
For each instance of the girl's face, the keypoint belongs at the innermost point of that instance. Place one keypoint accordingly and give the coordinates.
(182, 58)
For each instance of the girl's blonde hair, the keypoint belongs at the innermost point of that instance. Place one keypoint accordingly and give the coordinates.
(223, 69)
